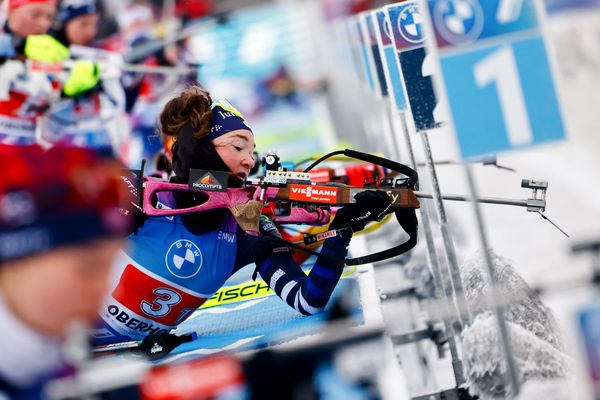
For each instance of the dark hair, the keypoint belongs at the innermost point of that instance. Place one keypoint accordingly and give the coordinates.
(191, 107)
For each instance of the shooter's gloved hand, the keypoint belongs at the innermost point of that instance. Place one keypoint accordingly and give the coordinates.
(158, 345)
(269, 241)
(46, 49)
(84, 76)
(371, 205)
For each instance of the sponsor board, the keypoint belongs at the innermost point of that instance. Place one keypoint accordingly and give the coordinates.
(248, 291)
(199, 379)
(407, 28)
(391, 69)
(214, 181)
(326, 235)
(316, 194)
(238, 293)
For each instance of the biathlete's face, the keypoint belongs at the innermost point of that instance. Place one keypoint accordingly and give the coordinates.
(31, 19)
(235, 149)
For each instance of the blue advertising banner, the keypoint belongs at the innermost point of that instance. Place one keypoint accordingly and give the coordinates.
(351, 34)
(407, 25)
(375, 54)
(392, 72)
(364, 53)
(466, 21)
(408, 31)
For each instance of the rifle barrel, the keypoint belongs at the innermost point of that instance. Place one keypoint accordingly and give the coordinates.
(488, 200)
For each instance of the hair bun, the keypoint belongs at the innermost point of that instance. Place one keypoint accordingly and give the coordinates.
(191, 107)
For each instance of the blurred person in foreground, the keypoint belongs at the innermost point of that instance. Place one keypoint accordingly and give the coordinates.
(61, 223)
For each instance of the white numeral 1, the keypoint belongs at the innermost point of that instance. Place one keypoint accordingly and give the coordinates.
(509, 11)
(501, 68)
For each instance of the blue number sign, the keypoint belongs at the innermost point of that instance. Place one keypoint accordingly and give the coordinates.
(350, 34)
(408, 31)
(391, 68)
(377, 64)
(497, 75)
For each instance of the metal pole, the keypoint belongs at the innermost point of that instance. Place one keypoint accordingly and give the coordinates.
(493, 295)
(464, 314)
(443, 290)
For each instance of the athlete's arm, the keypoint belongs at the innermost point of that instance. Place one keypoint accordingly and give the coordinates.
(306, 294)
(309, 294)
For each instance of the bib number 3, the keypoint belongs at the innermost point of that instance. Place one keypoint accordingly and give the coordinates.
(162, 304)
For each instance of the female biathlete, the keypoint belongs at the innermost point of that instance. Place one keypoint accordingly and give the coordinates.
(174, 264)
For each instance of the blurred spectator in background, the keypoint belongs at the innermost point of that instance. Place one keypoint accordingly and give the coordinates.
(24, 95)
(278, 88)
(93, 99)
(61, 223)
(29, 17)
(77, 22)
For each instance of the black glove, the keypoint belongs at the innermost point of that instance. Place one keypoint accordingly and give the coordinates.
(371, 205)
(269, 241)
(158, 345)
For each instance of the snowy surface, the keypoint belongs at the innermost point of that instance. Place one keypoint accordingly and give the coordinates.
(485, 365)
(534, 332)
(523, 308)
(548, 389)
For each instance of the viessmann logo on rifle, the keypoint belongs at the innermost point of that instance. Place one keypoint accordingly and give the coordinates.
(319, 194)
(215, 181)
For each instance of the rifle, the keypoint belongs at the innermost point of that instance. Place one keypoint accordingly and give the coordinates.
(290, 197)
(307, 197)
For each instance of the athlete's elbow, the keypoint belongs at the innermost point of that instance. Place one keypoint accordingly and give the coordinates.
(309, 313)
(309, 305)
(307, 310)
